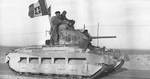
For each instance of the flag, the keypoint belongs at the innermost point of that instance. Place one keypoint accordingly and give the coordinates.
(38, 9)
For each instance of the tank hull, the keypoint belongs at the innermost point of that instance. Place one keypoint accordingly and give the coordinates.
(62, 63)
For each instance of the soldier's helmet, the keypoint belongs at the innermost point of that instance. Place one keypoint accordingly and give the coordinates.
(57, 12)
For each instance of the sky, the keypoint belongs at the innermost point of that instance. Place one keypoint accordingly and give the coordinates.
(129, 20)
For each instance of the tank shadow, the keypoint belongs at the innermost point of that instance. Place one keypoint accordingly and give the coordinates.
(120, 70)
(111, 73)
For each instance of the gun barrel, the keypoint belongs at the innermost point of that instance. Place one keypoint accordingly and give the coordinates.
(94, 37)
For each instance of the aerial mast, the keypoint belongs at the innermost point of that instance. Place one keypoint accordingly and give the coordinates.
(98, 34)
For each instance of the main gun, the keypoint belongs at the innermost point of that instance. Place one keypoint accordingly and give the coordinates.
(100, 37)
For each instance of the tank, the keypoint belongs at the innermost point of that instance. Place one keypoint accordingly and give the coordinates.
(73, 55)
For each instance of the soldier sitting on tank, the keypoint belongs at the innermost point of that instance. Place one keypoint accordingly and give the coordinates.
(85, 32)
(89, 46)
(66, 20)
(55, 22)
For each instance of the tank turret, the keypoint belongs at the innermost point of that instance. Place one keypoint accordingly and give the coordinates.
(75, 37)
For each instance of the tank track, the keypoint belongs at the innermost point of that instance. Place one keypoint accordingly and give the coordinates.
(55, 76)
(106, 70)
(44, 76)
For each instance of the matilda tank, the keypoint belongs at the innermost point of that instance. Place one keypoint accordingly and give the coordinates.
(73, 55)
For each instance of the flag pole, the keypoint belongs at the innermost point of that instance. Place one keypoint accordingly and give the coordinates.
(49, 14)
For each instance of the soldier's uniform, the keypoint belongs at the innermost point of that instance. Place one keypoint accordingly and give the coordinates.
(55, 22)
(64, 18)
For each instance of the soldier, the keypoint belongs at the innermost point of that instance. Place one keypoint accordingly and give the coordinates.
(55, 22)
(86, 33)
(66, 20)
(89, 39)
(63, 15)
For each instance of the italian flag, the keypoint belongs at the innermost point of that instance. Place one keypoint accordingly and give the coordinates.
(38, 9)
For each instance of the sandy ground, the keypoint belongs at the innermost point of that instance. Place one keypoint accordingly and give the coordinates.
(138, 62)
